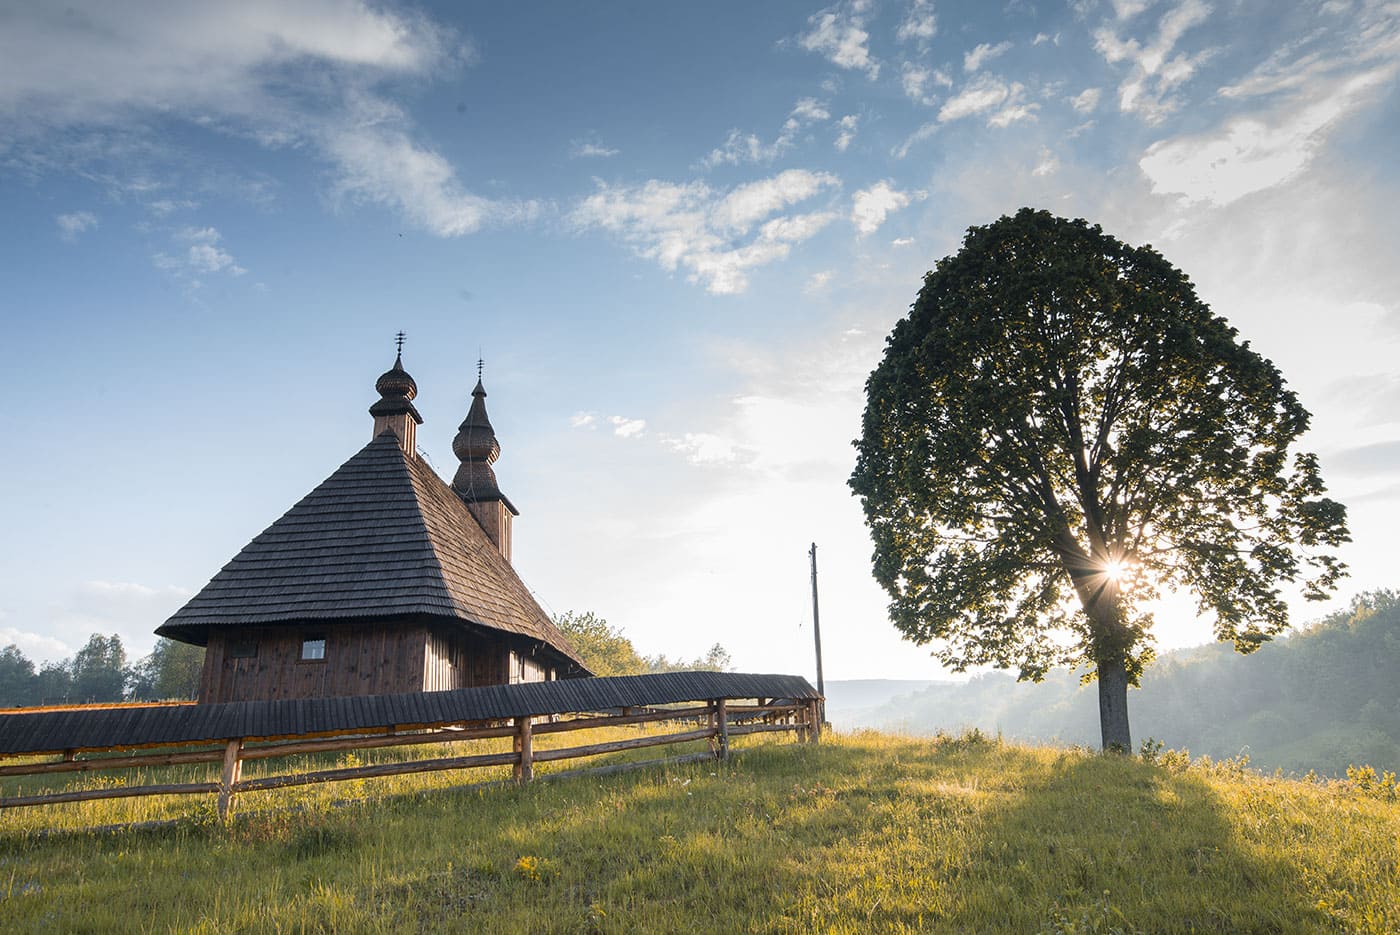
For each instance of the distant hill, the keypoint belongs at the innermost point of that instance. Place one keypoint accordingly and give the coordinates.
(852, 702)
(1320, 699)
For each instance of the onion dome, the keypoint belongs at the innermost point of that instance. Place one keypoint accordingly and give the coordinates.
(396, 391)
(476, 447)
(396, 382)
(476, 439)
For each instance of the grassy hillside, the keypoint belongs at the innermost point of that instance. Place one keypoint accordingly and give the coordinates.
(863, 833)
(1319, 700)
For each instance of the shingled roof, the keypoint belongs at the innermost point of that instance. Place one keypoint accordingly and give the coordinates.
(382, 537)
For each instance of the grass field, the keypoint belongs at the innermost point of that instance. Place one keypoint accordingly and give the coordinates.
(862, 833)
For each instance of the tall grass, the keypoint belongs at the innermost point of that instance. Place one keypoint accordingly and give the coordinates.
(862, 833)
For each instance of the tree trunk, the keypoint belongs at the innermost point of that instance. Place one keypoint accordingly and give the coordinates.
(1113, 707)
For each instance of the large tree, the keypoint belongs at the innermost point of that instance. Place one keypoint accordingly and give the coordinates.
(1059, 430)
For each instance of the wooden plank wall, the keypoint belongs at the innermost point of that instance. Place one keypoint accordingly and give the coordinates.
(360, 660)
(457, 660)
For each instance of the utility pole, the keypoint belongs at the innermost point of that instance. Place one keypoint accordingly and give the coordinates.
(817, 632)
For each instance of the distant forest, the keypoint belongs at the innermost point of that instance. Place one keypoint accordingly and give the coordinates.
(1319, 699)
(99, 672)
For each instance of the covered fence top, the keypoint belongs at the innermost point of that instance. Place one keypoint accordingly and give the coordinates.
(159, 725)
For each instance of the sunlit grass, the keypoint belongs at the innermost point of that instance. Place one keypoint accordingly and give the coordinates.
(862, 833)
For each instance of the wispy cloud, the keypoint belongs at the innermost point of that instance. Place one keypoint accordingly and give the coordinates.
(870, 206)
(624, 427)
(1003, 102)
(918, 81)
(378, 163)
(920, 24)
(284, 77)
(705, 448)
(201, 256)
(838, 33)
(1085, 101)
(847, 132)
(979, 56)
(1155, 72)
(742, 147)
(717, 237)
(1046, 164)
(818, 282)
(70, 226)
(583, 420)
(1253, 153)
(591, 149)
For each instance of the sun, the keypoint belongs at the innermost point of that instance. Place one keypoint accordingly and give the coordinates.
(1114, 569)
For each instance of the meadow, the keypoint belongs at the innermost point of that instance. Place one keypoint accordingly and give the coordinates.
(863, 832)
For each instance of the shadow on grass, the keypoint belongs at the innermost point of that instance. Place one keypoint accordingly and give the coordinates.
(869, 833)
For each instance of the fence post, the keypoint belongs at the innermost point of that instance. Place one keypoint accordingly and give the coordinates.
(524, 749)
(814, 718)
(721, 716)
(233, 769)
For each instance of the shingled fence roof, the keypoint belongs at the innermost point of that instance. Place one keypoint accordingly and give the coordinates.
(161, 725)
(382, 537)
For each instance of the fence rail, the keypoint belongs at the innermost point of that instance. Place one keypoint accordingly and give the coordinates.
(719, 720)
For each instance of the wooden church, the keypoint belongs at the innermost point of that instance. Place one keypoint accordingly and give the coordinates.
(383, 579)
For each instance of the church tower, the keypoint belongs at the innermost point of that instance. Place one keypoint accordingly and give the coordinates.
(475, 482)
(394, 411)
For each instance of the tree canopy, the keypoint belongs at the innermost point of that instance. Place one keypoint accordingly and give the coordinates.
(99, 673)
(1059, 430)
(607, 651)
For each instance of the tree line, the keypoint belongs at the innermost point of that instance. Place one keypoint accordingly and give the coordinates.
(100, 672)
(607, 651)
(1321, 699)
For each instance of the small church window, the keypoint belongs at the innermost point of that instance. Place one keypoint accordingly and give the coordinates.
(243, 649)
(313, 648)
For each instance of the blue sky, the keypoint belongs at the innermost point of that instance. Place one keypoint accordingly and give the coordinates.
(678, 234)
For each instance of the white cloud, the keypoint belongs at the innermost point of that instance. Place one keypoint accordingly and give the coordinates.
(283, 76)
(202, 256)
(1041, 38)
(818, 282)
(1047, 164)
(1127, 9)
(847, 134)
(71, 225)
(1147, 89)
(128, 609)
(901, 241)
(839, 35)
(163, 207)
(918, 136)
(1085, 101)
(740, 147)
(871, 206)
(627, 428)
(920, 24)
(707, 233)
(38, 647)
(986, 94)
(809, 110)
(705, 448)
(983, 53)
(1252, 153)
(917, 81)
(205, 258)
(749, 203)
(591, 149)
(379, 164)
(583, 420)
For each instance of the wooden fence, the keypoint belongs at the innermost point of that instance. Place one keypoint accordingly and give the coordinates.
(717, 720)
